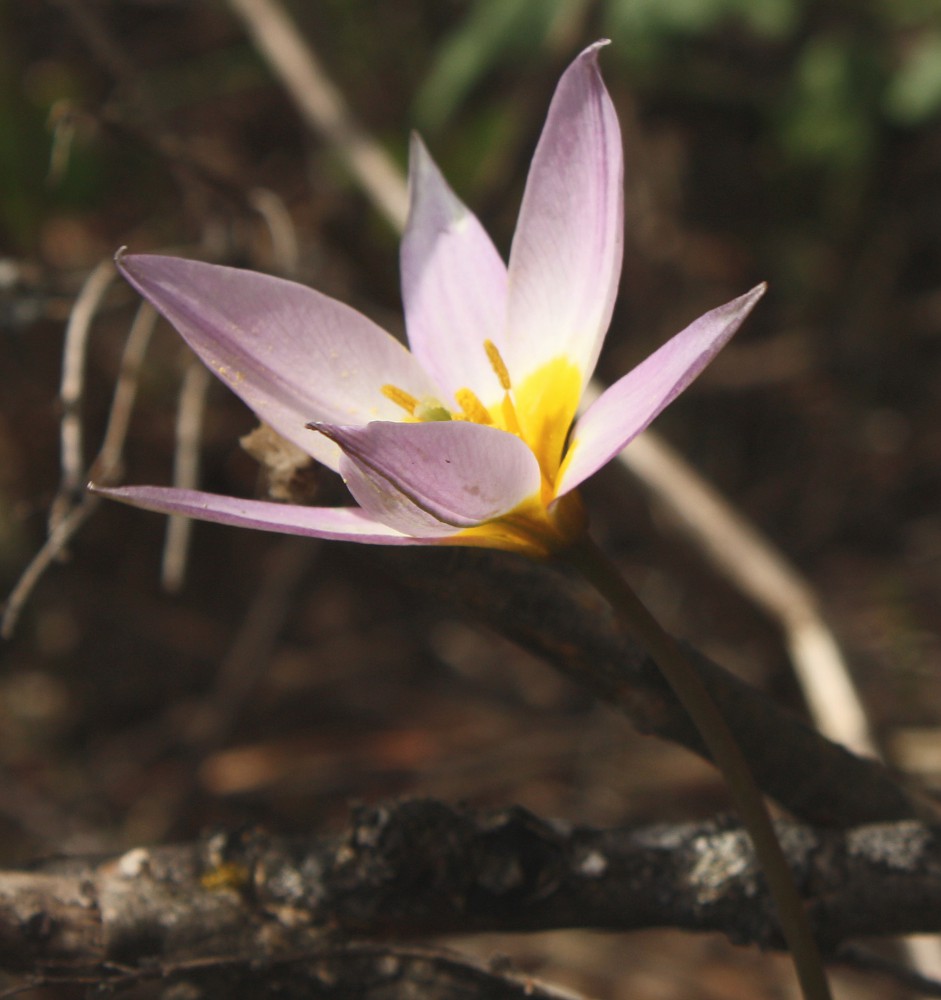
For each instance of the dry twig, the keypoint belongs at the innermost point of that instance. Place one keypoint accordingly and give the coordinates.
(71, 391)
(68, 516)
(191, 407)
(322, 106)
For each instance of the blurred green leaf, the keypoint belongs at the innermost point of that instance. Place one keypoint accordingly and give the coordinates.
(914, 92)
(829, 116)
(22, 141)
(909, 12)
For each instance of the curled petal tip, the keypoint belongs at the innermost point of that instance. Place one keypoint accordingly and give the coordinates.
(596, 47)
(590, 53)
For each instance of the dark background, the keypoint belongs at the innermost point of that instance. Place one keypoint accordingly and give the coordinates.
(798, 143)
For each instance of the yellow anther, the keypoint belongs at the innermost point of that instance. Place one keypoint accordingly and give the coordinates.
(472, 408)
(401, 398)
(497, 364)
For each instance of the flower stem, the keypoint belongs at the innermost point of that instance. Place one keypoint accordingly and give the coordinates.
(698, 703)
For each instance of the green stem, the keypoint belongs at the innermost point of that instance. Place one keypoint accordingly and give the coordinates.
(696, 700)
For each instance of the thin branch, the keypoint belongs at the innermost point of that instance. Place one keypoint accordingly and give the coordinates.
(73, 386)
(60, 536)
(322, 106)
(191, 408)
(106, 466)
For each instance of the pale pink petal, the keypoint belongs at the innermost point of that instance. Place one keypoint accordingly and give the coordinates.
(460, 473)
(628, 406)
(337, 523)
(565, 262)
(388, 505)
(292, 354)
(453, 284)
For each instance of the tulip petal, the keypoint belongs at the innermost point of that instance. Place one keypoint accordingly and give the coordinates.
(460, 473)
(337, 523)
(565, 261)
(628, 406)
(291, 353)
(453, 283)
(388, 505)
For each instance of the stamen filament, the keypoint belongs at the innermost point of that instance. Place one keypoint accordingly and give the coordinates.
(509, 416)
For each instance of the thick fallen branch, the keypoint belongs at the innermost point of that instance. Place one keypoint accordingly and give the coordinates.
(424, 868)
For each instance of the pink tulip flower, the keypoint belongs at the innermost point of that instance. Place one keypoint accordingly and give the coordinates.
(471, 437)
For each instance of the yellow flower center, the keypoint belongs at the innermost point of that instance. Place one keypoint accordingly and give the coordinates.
(540, 412)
